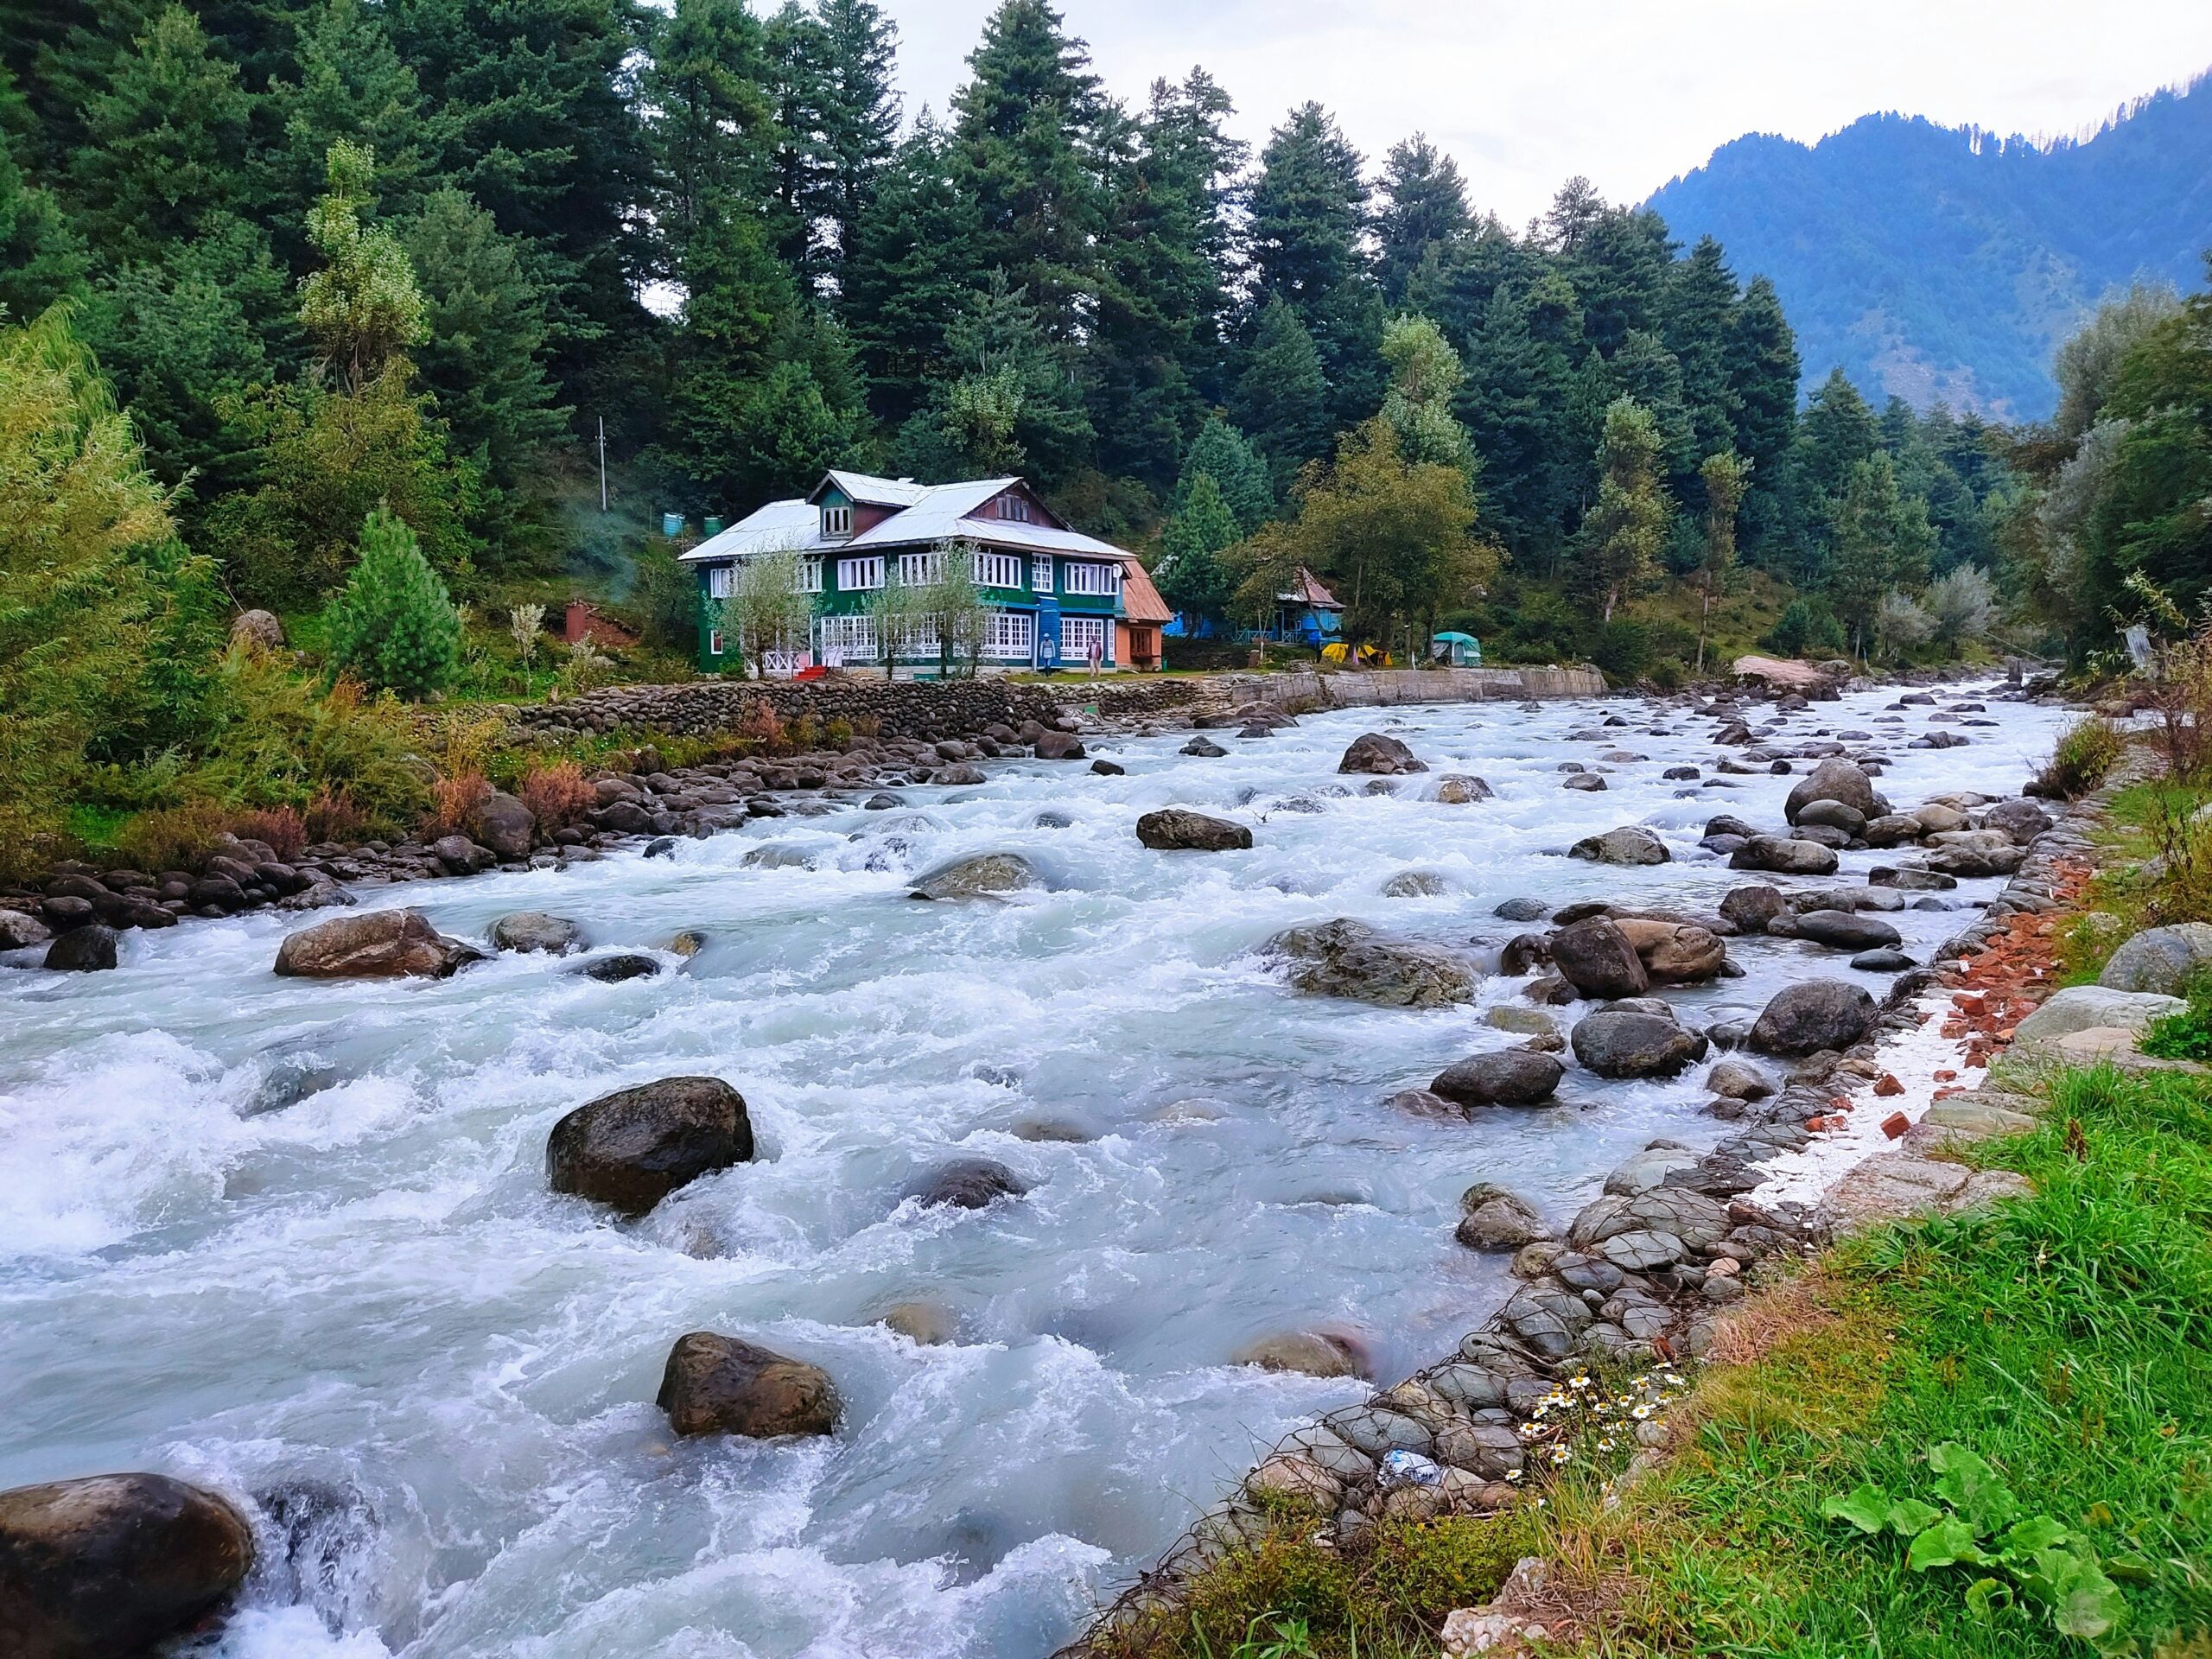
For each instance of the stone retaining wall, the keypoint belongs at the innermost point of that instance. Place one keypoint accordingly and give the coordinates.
(932, 712)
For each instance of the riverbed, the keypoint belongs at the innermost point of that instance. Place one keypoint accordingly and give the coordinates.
(293, 1240)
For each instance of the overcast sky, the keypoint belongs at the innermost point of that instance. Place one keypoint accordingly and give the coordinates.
(1631, 93)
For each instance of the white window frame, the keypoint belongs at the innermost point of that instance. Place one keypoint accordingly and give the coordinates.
(919, 637)
(1014, 509)
(860, 575)
(714, 642)
(1010, 636)
(919, 569)
(848, 637)
(1040, 573)
(995, 570)
(1090, 580)
(836, 524)
(1078, 632)
(809, 579)
(719, 581)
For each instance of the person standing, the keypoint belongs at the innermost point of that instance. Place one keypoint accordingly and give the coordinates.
(1095, 654)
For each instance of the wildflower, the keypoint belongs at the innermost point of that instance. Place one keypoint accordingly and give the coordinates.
(1640, 1412)
(1513, 1474)
(1578, 1381)
(1674, 1380)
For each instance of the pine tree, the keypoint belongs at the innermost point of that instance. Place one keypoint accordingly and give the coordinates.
(1697, 315)
(167, 143)
(714, 131)
(1308, 210)
(1192, 578)
(393, 626)
(41, 257)
(1015, 407)
(1880, 543)
(1516, 401)
(911, 272)
(1425, 377)
(1240, 476)
(1424, 212)
(1621, 538)
(1620, 261)
(1726, 477)
(1645, 369)
(1025, 129)
(860, 111)
(483, 356)
(1762, 372)
(1282, 399)
(1575, 209)
(351, 84)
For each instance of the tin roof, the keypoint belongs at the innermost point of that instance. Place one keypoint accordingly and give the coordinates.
(1141, 600)
(923, 515)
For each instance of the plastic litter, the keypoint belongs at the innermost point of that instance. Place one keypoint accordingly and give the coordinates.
(1403, 1468)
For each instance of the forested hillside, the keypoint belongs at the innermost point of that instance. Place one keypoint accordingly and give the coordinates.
(1943, 264)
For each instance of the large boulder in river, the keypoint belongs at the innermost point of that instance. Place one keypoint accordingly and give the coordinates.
(1835, 780)
(984, 876)
(2160, 960)
(1349, 959)
(633, 1147)
(1811, 1015)
(1177, 828)
(721, 1385)
(109, 1566)
(1632, 1043)
(1674, 953)
(1847, 929)
(1783, 856)
(505, 825)
(85, 949)
(381, 944)
(1503, 1077)
(19, 929)
(1374, 752)
(1751, 908)
(1630, 844)
(535, 930)
(1599, 960)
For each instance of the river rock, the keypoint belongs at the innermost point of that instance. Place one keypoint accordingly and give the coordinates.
(1631, 844)
(721, 1385)
(1811, 1015)
(1750, 909)
(2090, 1007)
(88, 949)
(505, 825)
(1502, 1076)
(1458, 789)
(1835, 779)
(19, 930)
(1589, 782)
(986, 875)
(1630, 1043)
(109, 1566)
(926, 1325)
(968, 1183)
(1377, 751)
(1177, 828)
(1847, 929)
(1057, 746)
(1673, 953)
(1204, 749)
(1847, 820)
(2023, 820)
(1491, 1218)
(1733, 1080)
(381, 944)
(1349, 959)
(1785, 856)
(1308, 1353)
(1599, 960)
(535, 930)
(2158, 960)
(1522, 910)
(1936, 818)
(1973, 853)
(1890, 829)
(633, 1147)
(1882, 961)
(618, 968)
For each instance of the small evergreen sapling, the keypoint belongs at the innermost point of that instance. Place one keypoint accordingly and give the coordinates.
(393, 625)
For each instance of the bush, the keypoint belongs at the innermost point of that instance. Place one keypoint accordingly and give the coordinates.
(452, 806)
(2085, 755)
(282, 830)
(332, 816)
(2186, 1035)
(558, 795)
(394, 627)
(172, 837)
(1622, 649)
(1806, 625)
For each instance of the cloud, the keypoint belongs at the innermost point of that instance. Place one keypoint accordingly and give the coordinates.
(1630, 92)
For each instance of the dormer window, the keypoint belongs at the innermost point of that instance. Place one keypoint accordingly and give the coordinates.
(1014, 508)
(836, 524)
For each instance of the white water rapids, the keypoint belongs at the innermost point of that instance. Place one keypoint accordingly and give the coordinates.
(363, 1313)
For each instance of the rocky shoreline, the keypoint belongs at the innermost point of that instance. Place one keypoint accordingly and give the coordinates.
(1643, 1275)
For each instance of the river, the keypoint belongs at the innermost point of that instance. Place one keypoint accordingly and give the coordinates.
(293, 1240)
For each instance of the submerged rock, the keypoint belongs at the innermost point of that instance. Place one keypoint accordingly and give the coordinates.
(721, 1385)
(1458, 789)
(381, 944)
(1177, 828)
(1845, 930)
(1309, 1353)
(1349, 959)
(633, 1147)
(107, 1567)
(968, 1183)
(984, 876)
(621, 966)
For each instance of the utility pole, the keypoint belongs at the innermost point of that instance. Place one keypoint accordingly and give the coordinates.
(602, 463)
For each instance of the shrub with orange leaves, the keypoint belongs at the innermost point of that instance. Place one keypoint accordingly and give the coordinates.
(558, 795)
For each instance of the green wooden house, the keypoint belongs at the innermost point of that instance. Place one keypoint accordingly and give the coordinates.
(1055, 596)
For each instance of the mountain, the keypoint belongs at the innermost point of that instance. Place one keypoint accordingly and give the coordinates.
(1945, 263)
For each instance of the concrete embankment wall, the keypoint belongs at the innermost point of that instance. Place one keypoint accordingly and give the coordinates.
(1381, 687)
